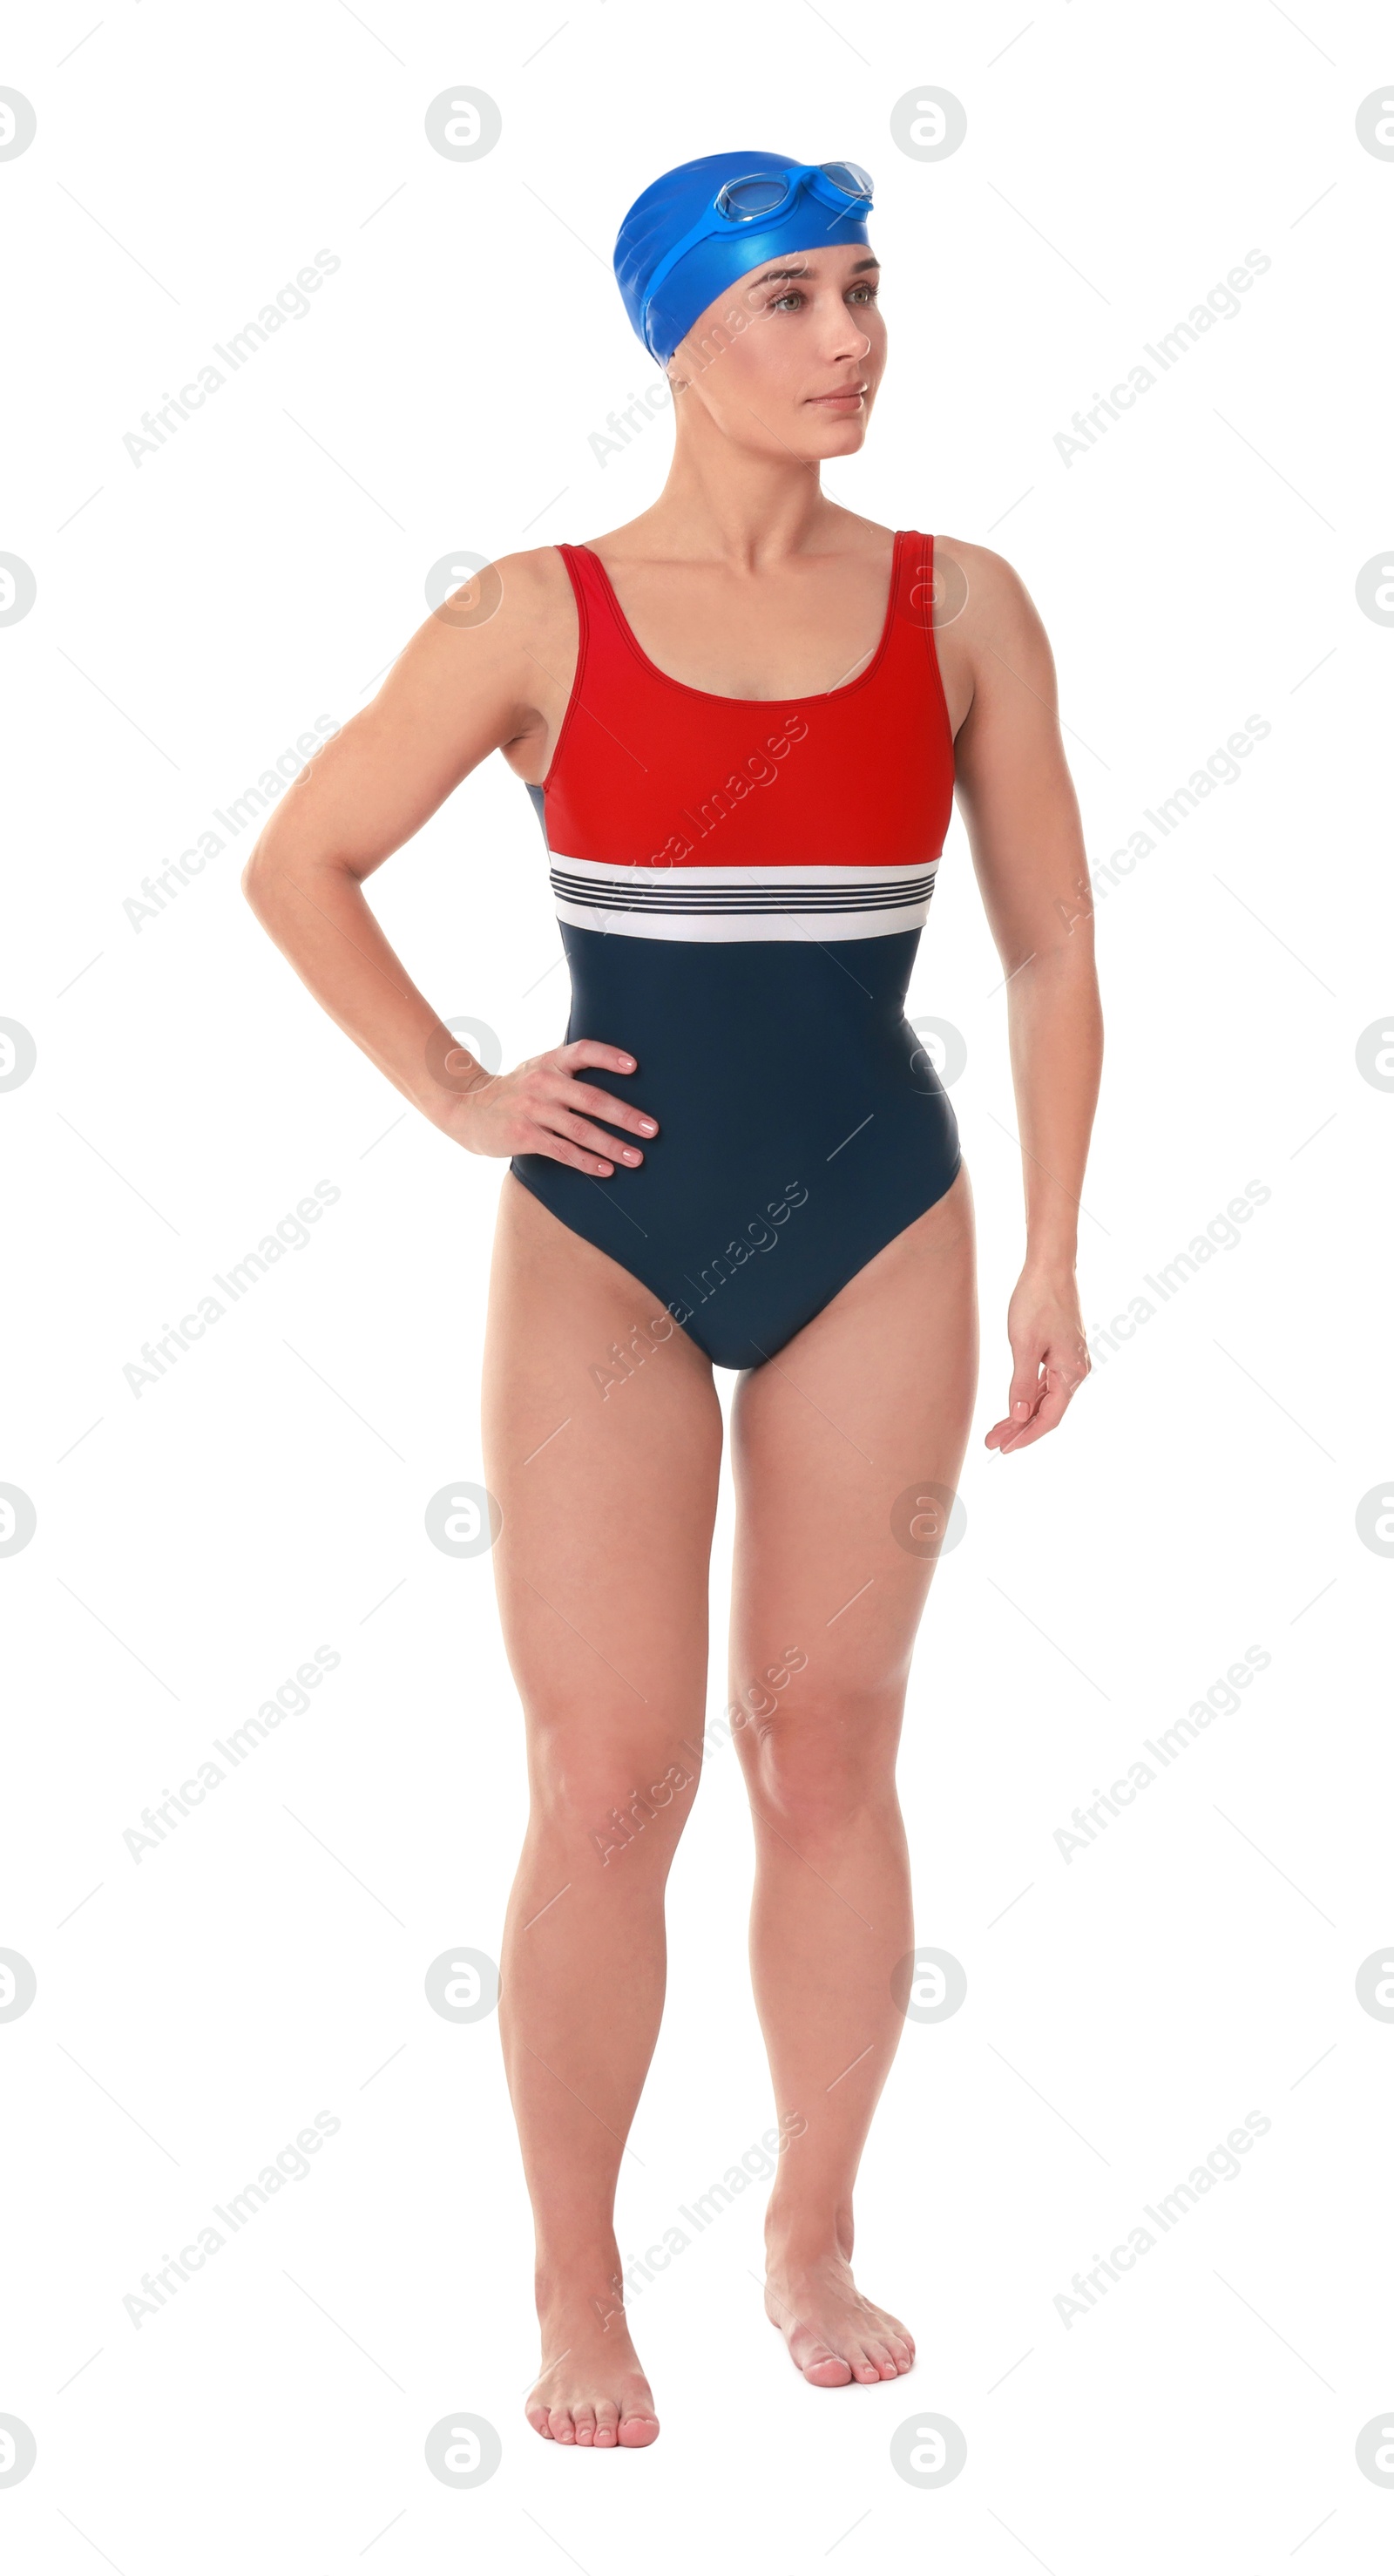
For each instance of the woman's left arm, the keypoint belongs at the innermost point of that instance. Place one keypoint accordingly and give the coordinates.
(1018, 803)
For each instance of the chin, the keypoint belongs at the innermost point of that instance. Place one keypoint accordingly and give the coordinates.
(836, 436)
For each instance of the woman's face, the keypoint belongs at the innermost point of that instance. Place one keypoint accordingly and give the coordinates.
(788, 360)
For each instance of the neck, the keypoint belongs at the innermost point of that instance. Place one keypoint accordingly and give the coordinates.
(726, 503)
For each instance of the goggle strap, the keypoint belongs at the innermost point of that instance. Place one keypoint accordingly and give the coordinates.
(698, 232)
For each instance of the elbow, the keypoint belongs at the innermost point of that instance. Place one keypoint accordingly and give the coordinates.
(285, 868)
(265, 874)
(255, 877)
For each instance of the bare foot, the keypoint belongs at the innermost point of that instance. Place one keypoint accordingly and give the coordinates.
(834, 2335)
(593, 2393)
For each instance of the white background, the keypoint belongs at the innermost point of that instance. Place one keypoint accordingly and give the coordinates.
(195, 1543)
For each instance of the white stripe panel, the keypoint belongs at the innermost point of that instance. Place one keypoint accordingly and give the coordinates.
(812, 903)
(695, 927)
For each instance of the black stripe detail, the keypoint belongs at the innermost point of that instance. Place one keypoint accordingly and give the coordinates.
(733, 900)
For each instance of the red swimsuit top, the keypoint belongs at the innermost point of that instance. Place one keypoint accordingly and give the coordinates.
(750, 809)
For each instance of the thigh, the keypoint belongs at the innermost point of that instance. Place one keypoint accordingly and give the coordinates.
(602, 1446)
(839, 1443)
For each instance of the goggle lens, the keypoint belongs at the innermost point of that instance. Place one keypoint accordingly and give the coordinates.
(849, 176)
(745, 198)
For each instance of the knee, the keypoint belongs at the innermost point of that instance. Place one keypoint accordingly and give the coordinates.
(663, 1805)
(605, 1798)
(814, 1769)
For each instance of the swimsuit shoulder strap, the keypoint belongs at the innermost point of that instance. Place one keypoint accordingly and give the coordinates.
(914, 577)
(914, 654)
(596, 603)
(607, 653)
(909, 679)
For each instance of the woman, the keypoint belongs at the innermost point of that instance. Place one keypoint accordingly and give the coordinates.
(741, 718)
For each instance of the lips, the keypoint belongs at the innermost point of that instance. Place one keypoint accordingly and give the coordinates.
(849, 395)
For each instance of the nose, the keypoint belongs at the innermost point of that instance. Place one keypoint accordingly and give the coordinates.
(846, 340)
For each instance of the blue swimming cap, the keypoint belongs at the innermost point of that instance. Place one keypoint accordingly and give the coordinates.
(662, 314)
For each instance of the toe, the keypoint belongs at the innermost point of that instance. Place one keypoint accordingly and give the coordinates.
(825, 2368)
(563, 2430)
(607, 2424)
(537, 2417)
(902, 2351)
(584, 2419)
(637, 2431)
(863, 2367)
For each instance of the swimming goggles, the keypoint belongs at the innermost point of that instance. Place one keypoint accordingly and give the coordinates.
(766, 196)
(766, 191)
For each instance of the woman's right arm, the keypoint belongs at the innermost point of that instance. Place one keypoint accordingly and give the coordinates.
(460, 690)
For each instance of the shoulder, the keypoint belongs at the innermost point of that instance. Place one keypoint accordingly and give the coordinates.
(494, 656)
(982, 602)
(978, 582)
(535, 573)
(521, 591)
(510, 620)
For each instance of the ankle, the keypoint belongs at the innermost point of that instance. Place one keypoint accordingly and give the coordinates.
(798, 2240)
(585, 2278)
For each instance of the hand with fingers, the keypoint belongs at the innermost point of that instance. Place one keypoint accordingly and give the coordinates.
(1050, 1358)
(546, 1107)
